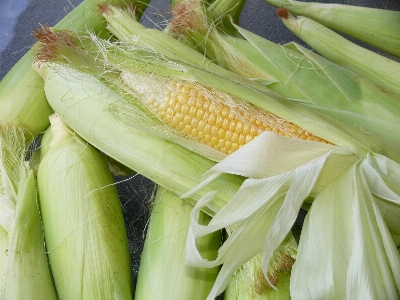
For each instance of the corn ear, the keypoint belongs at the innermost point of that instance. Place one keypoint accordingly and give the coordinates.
(163, 273)
(156, 158)
(23, 261)
(22, 98)
(341, 94)
(245, 89)
(82, 220)
(377, 27)
(379, 69)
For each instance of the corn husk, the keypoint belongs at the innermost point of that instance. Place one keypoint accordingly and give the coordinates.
(22, 98)
(357, 259)
(379, 69)
(183, 12)
(83, 224)
(24, 268)
(249, 282)
(267, 204)
(162, 272)
(377, 27)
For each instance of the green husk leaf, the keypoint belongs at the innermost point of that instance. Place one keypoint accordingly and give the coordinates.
(22, 98)
(377, 27)
(23, 261)
(381, 70)
(360, 258)
(162, 272)
(82, 215)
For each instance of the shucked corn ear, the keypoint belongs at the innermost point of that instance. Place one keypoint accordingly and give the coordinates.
(288, 70)
(83, 224)
(353, 100)
(204, 115)
(22, 99)
(24, 268)
(377, 27)
(162, 272)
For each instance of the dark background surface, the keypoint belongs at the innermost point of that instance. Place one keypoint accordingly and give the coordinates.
(18, 18)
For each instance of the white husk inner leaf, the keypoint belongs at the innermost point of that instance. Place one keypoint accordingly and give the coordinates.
(282, 174)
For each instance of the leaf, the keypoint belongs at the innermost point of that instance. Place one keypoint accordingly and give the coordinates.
(267, 204)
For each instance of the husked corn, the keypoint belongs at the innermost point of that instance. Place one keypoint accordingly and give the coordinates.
(204, 115)
(221, 127)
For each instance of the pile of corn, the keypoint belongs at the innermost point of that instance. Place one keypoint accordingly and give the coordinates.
(238, 133)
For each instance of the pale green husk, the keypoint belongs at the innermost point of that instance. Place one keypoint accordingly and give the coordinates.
(83, 224)
(267, 204)
(383, 71)
(377, 27)
(24, 268)
(22, 99)
(345, 245)
(162, 272)
(249, 281)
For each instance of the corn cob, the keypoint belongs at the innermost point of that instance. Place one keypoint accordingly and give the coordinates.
(202, 114)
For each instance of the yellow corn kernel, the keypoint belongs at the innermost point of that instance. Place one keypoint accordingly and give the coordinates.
(204, 117)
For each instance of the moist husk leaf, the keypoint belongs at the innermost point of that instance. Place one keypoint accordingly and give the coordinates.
(267, 203)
